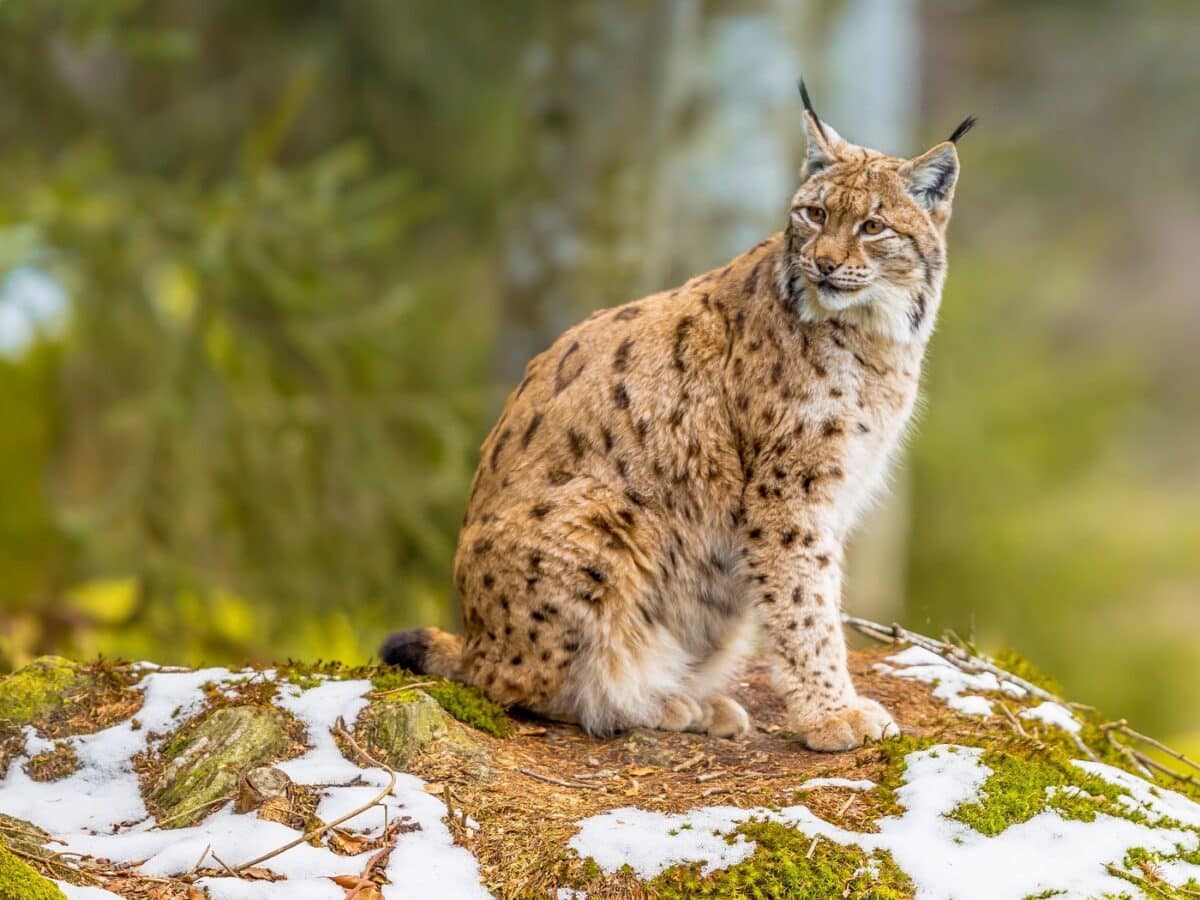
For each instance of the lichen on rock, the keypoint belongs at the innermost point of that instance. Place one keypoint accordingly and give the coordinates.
(398, 726)
(204, 762)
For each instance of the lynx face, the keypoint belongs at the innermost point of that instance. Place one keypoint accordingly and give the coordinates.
(867, 233)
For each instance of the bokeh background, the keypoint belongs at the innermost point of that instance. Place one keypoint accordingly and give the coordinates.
(267, 271)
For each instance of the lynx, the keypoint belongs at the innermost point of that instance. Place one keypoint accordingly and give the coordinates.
(677, 476)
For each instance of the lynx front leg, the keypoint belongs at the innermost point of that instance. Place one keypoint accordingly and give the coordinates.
(797, 578)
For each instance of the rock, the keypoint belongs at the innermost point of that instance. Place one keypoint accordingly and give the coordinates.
(36, 688)
(206, 761)
(395, 727)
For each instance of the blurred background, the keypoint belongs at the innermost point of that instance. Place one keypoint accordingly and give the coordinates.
(267, 271)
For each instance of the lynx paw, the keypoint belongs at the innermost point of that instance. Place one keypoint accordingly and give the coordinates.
(860, 720)
(680, 713)
(725, 717)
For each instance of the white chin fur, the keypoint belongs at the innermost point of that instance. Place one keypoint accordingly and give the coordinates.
(879, 309)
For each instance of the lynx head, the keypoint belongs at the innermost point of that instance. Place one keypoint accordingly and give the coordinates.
(867, 232)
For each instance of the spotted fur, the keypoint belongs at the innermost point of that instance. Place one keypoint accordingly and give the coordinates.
(677, 475)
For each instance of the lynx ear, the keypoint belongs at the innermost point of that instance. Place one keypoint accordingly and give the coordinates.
(824, 144)
(932, 175)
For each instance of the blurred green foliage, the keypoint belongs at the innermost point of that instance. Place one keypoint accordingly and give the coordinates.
(255, 437)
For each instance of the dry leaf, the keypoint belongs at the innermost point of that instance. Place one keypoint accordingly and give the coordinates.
(257, 873)
(346, 843)
(435, 787)
(641, 771)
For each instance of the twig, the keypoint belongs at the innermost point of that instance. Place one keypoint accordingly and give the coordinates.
(546, 778)
(191, 809)
(709, 776)
(812, 848)
(196, 864)
(233, 872)
(1084, 747)
(403, 687)
(339, 729)
(687, 764)
(1129, 755)
(892, 633)
(1013, 720)
(1122, 726)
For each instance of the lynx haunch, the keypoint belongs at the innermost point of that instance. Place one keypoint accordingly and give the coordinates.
(678, 475)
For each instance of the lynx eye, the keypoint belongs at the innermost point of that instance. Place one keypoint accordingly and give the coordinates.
(873, 226)
(815, 214)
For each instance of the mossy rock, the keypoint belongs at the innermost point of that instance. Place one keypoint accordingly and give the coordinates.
(204, 762)
(18, 880)
(466, 704)
(37, 688)
(396, 727)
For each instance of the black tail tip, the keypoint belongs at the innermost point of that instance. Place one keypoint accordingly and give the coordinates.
(406, 649)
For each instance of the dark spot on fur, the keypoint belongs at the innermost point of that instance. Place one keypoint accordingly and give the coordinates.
(608, 438)
(627, 313)
(798, 596)
(488, 579)
(755, 533)
(788, 538)
(593, 573)
(564, 375)
(516, 660)
(559, 477)
(483, 545)
(620, 396)
(540, 511)
(634, 497)
(682, 328)
(621, 358)
(578, 444)
(531, 430)
(499, 446)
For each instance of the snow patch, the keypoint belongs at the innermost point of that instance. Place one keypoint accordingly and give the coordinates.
(76, 892)
(951, 683)
(98, 811)
(1053, 714)
(943, 857)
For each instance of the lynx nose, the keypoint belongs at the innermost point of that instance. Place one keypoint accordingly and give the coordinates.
(826, 265)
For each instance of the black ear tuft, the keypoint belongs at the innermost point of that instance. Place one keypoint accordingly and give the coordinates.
(809, 108)
(967, 124)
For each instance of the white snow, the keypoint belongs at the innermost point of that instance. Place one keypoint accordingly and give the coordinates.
(75, 892)
(951, 682)
(860, 784)
(1053, 714)
(944, 857)
(98, 811)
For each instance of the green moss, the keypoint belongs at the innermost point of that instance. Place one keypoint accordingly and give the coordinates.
(18, 880)
(465, 703)
(895, 754)
(36, 688)
(1020, 787)
(781, 867)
